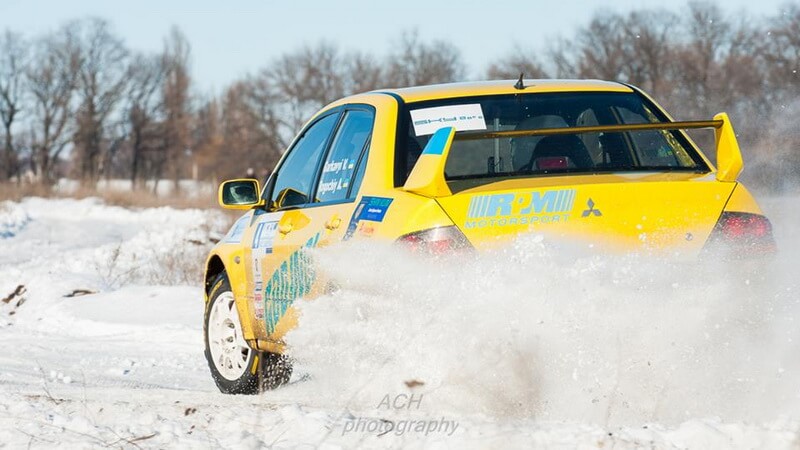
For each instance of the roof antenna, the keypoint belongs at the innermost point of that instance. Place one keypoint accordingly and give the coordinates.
(520, 85)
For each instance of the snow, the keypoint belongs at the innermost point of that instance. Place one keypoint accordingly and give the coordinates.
(163, 188)
(12, 219)
(537, 345)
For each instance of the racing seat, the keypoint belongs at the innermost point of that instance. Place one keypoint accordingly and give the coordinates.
(522, 147)
(615, 154)
(565, 151)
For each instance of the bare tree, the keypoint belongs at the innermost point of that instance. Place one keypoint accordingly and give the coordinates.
(414, 62)
(362, 73)
(142, 106)
(647, 43)
(563, 58)
(633, 49)
(101, 81)
(240, 135)
(51, 79)
(740, 78)
(776, 161)
(177, 105)
(516, 62)
(781, 51)
(260, 104)
(249, 129)
(13, 61)
(207, 143)
(707, 31)
(600, 46)
(305, 80)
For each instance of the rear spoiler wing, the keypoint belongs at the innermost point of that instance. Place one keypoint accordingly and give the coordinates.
(427, 177)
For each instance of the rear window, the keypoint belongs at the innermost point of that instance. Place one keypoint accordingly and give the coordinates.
(486, 160)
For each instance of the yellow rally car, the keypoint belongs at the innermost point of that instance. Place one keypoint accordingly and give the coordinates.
(467, 165)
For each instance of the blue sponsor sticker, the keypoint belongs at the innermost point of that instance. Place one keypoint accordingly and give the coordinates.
(375, 208)
(369, 208)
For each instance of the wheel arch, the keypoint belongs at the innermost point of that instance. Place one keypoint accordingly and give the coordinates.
(214, 267)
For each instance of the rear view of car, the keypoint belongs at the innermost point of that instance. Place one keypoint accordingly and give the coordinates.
(606, 168)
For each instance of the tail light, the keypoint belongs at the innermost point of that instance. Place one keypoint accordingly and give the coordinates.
(744, 233)
(436, 241)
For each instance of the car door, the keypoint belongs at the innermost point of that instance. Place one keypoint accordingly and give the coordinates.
(322, 220)
(288, 189)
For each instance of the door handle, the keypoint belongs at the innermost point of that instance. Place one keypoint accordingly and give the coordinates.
(285, 228)
(333, 223)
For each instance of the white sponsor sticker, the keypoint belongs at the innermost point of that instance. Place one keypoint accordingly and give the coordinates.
(264, 237)
(234, 235)
(462, 117)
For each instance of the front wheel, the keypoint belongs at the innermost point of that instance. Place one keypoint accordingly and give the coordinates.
(235, 366)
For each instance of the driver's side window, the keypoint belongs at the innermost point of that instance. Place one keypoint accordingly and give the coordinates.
(295, 178)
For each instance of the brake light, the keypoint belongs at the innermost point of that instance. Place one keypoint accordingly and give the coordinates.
(436, 241)
(746, 233)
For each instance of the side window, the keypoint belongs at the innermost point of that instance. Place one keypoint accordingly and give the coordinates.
(296, 174)
(652, 147)
(346, 149)
(356, 184)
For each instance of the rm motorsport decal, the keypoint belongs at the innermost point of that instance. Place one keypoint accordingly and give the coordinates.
(523, 208)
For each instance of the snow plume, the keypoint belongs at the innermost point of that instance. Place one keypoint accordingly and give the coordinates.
(772, 162)
(538, 331)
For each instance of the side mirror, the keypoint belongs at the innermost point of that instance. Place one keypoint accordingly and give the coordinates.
(729, 157)
(290, 197)
(241, 193)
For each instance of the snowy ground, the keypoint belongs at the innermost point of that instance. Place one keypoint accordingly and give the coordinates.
(533, 346)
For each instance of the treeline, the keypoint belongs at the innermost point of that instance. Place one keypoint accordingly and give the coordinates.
(78, 102)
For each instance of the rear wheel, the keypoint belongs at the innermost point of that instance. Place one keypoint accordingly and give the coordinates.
(235, 366)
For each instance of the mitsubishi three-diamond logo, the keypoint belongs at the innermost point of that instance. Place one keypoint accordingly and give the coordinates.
(591, 211)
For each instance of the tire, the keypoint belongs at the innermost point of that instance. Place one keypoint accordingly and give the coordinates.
(276, 370)
(236, 367)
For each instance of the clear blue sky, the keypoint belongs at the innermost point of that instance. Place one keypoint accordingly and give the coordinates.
(232, 38)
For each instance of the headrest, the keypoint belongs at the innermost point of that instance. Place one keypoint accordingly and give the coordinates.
(565, 146)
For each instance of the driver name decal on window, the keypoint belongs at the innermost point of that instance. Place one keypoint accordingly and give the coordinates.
(462, 117)
(338, 173)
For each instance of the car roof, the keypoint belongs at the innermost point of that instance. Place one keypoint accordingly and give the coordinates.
(499, 87)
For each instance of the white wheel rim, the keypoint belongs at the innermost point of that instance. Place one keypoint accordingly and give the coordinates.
(227, 346)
